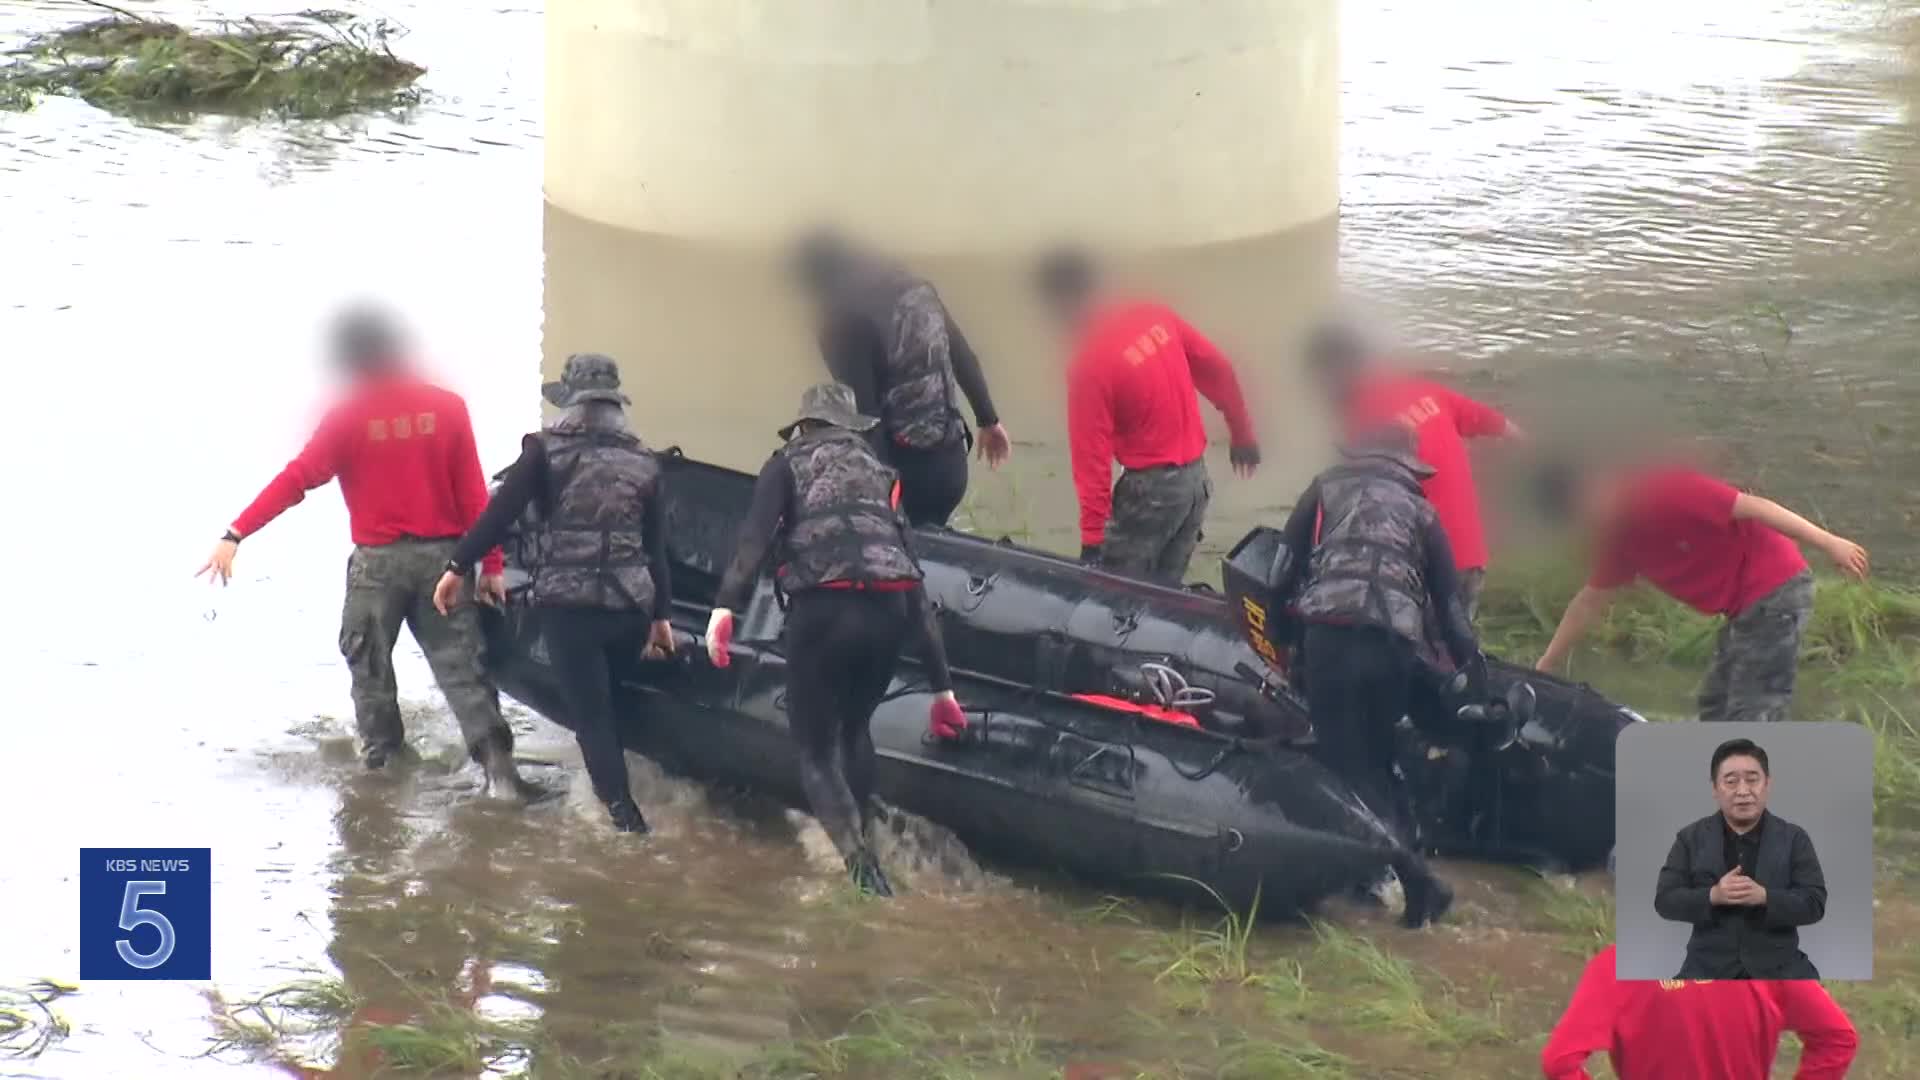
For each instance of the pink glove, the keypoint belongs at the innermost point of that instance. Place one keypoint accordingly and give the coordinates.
(719, 636)
(944, 718)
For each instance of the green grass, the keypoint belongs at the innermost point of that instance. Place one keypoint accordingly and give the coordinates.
(1217, 952)
(1584, 917)
(1866, 634)
(1379, 991)
(311, 65)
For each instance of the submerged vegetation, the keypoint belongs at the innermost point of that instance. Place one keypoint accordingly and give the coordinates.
(312, 65)
(1341, 998)
(29, 1025)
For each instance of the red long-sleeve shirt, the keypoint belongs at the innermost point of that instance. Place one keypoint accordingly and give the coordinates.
(1442, 421)
(1131, 398)
(404, 454)
(1679, 533)
(1675, 1030)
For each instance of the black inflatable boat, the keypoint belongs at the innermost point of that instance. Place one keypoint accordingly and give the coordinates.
(1121, 731)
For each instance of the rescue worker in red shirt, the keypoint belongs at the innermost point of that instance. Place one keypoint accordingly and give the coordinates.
(1131, 387)
(403, 451)
(1675, 1029)
(1717, 550)
(1367, 392)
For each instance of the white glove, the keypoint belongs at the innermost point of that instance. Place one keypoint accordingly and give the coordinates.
(719, 636)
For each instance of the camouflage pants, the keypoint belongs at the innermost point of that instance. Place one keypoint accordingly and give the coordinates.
(1156, 521)
(1758, 654)
(391, 585)
(1471, 582)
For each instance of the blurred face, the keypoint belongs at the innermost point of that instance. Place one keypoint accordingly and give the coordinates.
(1598, 501)
(1740, 787)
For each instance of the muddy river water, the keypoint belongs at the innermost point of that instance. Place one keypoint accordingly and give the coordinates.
(1708, 207)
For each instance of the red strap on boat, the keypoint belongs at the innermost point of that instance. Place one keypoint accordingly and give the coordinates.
(1151, 712)
(895, 497)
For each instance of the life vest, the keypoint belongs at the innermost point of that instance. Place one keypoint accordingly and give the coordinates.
(920, 399)
(844, 527)
(1369, 557)
(588, 548)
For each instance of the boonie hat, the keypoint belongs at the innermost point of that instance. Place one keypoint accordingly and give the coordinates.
(829, 403)
(586, 377)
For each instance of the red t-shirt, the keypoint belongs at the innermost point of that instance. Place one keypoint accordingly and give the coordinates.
(404, 454)
(1442, 421)
(1131, 398)
(1678, 532)
(1687, 1030)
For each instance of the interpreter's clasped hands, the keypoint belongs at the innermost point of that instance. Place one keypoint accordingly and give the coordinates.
(1736, 889)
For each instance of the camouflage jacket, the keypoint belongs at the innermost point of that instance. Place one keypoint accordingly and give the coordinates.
(844, 526)
(1369, 562)
(920, 399)
(588, 546)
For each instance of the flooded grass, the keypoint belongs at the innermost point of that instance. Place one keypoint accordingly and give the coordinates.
(29, 1024)
(1204, 955)
(1867, 634)
(1338, 998)
(313, 65)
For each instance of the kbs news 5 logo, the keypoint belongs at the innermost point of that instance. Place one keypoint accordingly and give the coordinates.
(146, 913)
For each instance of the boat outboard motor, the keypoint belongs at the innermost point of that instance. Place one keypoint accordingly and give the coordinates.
(1253, 572)
(1261, 565)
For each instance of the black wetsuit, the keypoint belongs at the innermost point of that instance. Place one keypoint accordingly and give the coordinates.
(932, 482)
(842, 646)
(583, 643)
(1362, 674)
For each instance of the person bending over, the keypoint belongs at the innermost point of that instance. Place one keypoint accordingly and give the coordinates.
(1366, 390)
(1717, 550)
(1378, 580)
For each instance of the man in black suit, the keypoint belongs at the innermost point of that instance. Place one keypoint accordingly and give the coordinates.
(1745, 879)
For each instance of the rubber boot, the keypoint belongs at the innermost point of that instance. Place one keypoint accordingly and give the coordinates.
(503, 779)
(867, 875)
(1428, 897)
(626, 817)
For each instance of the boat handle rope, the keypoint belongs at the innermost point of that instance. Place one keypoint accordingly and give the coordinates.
(1172, 689)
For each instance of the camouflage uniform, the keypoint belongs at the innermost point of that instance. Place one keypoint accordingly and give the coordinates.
(920, 403)
(845, 527)
(1369, 565)
(1758, 655)
(1156, 521)
(393, 584)
(590, 549)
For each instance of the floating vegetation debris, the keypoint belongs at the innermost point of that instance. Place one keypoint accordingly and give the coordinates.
(28, 1024)
(312, 65)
